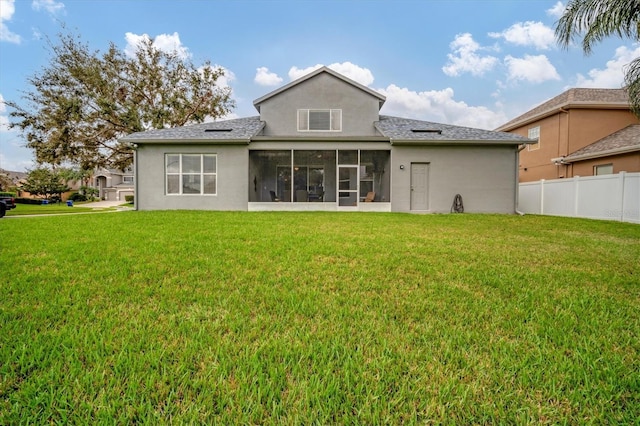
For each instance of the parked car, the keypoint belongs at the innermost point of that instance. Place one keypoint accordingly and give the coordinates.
(6, 203)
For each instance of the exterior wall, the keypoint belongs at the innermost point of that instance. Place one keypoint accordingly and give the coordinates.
(485, 176)
(359, 109)
(232, 180)
(564, 133)
(621, 163)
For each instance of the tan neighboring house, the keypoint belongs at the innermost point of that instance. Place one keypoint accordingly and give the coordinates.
(112, 184)
(581, 132)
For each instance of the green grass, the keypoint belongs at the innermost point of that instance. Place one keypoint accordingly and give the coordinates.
(54, 208)
(299, 318)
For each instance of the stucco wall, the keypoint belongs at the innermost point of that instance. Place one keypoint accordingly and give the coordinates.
(485, 177)
(232, 181)
(359, 109)
(621, 163)
(564, 133)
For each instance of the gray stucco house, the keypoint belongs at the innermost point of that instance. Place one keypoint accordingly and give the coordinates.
(320, 143)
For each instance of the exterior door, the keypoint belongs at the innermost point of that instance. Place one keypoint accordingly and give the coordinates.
(420, 186)
(347, 186)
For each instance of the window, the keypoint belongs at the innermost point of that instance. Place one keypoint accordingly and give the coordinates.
(127, 179)
(603, 169)
(319, 120)
(534, 133)
(190, 174)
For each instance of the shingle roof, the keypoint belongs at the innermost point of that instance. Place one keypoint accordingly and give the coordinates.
(405, 129)
(624, 140)
(397, 129)
(227, 130)
(572, 97)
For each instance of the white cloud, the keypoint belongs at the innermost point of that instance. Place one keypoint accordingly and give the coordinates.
(349, 70)
(533, 69)
(528, 33)
(438, 106)
(227, 78)
(165, 42)
(51, 6)
(465, 59)
(7, 9)
(557, 10)
(613, 75)
(4, 118)
(266, 78)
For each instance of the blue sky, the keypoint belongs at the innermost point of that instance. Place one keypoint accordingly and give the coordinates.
(474, 63)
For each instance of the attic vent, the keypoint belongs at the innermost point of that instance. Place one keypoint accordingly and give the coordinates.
(427, 131)
(218, 130)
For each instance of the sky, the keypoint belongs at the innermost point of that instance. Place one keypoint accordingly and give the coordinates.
(475, 63)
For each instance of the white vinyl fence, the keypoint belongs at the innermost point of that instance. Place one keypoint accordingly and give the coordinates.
(611, 197)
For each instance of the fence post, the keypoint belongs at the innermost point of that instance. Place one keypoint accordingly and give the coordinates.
(576, 195)
(622, 177)
(541, 204)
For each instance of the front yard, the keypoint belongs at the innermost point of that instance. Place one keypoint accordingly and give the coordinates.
(298, 318)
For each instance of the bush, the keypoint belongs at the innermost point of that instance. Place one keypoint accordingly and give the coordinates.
(76, 196)
(23, 200)
(8, 194)
(128, 198)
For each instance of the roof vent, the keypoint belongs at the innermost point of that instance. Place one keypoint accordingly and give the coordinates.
(438, 131)
(218, 130)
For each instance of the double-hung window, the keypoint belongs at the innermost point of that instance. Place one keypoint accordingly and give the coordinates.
(188, 174)
(319, 120)
(534, 133)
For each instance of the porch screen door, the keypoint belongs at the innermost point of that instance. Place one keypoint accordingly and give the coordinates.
(348, 186)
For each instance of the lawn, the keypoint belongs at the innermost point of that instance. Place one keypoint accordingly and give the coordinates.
(299, 318)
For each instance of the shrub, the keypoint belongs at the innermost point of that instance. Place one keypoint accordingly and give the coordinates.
(23, 200)
(76, 196)
(8, 194)
(128, 198)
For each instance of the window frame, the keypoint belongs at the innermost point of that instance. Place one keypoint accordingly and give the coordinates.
(536, 135)
(127, 179)
(609, 166)
(303, 117)
(181, 173)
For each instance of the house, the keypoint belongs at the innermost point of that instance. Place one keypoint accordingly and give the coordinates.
(112, 184)
(320, 143)
(581, 132)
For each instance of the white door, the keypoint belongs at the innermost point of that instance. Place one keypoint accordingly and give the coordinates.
(420, 186)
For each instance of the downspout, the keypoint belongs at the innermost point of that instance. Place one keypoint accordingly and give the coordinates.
(520, 148)
(135, 176)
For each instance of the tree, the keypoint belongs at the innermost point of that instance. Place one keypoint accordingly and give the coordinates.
(83, 101)
(45, 182)
(5, 181)
(595, 20)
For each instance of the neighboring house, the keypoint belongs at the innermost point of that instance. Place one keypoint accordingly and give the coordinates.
(581, 132)
(113, 185)
(320, 143)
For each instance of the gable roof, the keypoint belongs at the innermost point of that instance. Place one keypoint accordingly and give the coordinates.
(572, 98)
(623, 141)
(408, 131)
(312, 74)
(239, 130)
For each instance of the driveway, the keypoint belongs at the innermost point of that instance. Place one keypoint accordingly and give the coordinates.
(102, 204)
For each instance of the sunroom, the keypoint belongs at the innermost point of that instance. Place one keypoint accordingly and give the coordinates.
(331, 179)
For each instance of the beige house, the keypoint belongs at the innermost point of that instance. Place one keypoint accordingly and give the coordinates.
(581, 132)
(113, 185)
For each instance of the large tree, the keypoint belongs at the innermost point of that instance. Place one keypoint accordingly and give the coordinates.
(83, 101)
(45, 182)
(595, 20)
